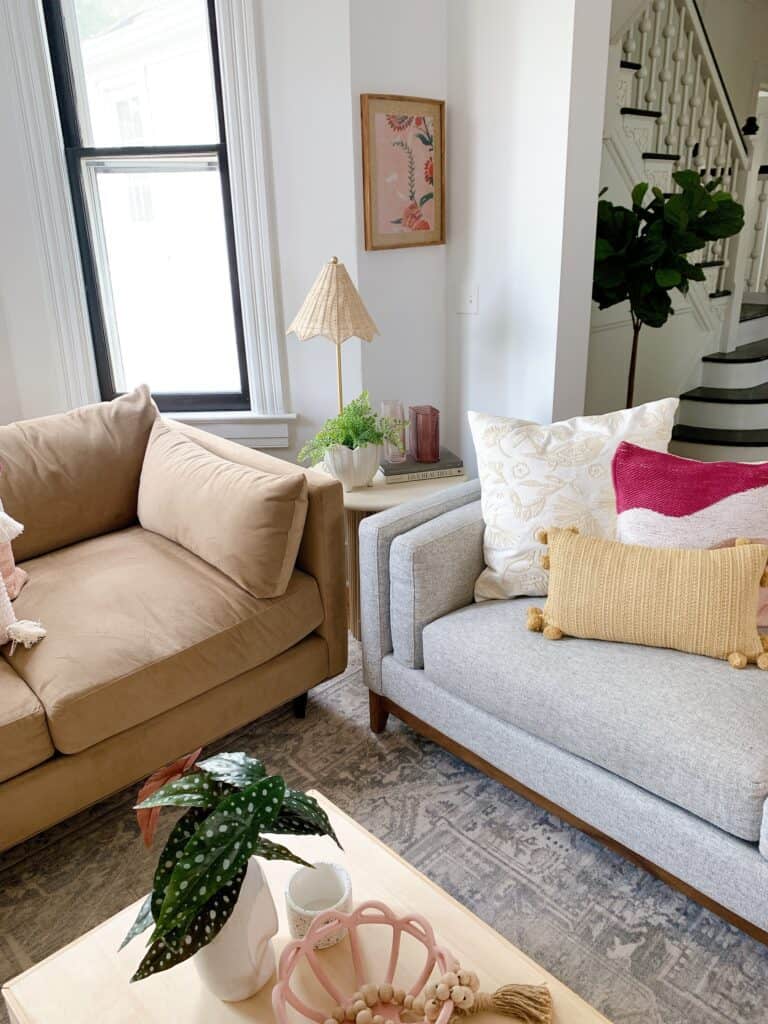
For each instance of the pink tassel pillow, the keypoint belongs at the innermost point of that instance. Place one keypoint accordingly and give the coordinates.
(664, 501)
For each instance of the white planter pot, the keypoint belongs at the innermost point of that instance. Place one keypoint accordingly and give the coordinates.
(354, 467)
(241, 960)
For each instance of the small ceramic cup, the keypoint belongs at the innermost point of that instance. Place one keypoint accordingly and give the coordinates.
(312, 891)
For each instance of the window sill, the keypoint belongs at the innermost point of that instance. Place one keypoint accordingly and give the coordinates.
(249, 428)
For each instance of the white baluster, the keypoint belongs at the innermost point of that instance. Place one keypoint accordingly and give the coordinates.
(666, 75)
(654, 53)
(644, 27)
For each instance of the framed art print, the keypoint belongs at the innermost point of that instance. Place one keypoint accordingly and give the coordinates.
(403, 171)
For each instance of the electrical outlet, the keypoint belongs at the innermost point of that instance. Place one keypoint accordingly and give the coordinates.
(469, 300)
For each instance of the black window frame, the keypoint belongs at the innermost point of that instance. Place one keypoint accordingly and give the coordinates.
(75, 152)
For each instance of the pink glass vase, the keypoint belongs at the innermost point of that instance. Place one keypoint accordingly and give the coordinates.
(424, 433)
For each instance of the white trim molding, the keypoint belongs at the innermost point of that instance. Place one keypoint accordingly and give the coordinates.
(240, 48)
(246, 428)
(54, 223)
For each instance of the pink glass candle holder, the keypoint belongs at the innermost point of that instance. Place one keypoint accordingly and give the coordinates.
(424, 433)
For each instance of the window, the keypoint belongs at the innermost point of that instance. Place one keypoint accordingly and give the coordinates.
(139, 95)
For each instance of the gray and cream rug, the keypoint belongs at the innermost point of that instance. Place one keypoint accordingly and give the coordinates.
(639, 952)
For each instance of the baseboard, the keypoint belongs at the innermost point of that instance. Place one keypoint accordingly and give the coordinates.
(381, 707)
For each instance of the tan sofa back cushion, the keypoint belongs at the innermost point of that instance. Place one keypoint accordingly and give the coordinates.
(76, 474)
(245, 522)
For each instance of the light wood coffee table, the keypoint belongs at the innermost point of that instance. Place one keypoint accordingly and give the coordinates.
(87, 981)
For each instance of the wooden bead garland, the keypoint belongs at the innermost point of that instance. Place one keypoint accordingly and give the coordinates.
(527, 1004)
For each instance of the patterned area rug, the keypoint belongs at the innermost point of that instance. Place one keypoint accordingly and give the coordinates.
(639, 952)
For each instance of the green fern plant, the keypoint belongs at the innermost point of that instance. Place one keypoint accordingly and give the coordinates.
(356, 426)
(229, 802)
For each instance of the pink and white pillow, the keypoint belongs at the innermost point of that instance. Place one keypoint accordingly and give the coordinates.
(664, 501)
(13, 577)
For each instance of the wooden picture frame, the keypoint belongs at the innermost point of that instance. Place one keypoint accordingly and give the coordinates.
(403, 171)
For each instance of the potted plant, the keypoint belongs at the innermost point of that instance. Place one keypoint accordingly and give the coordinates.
(209, 898)
(350, 444)
(641, 254)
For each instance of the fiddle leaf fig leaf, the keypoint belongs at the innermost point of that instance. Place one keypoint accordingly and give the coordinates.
(144, 920)
(217, 851)
(667, 278)
(638, 193)
(238, 769)
(195, 790)
(180, 944)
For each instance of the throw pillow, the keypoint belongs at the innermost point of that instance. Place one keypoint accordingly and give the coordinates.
(246, 523)
(665, 501)
(13, 577)
(702, 602)
(75, 475)
(532, 476)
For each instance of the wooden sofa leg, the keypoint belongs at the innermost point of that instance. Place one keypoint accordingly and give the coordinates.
(378, 712)
(300, 706)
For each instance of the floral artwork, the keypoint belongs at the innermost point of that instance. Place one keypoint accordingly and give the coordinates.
(402, 171)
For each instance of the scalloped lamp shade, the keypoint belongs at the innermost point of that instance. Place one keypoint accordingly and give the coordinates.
(334, 310)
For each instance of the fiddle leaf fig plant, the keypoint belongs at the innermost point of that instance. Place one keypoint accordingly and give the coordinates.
(229, 802)
(641, 254)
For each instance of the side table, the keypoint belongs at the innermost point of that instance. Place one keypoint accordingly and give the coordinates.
(365, 501)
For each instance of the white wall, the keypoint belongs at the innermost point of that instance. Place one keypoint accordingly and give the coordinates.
(509, 93)
(306, 50)
(738, 30)
(400, 47)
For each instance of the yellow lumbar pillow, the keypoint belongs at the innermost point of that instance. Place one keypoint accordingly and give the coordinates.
(698, 601)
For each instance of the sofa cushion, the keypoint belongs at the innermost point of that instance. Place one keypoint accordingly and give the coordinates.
(687, 728)
(74, 475)
(137, 625)
(24, 737)
(243, 521)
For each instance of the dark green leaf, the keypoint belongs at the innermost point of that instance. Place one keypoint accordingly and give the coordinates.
(712, 185)
(237, 769)
(143, 921)
(426, 197)
(603, 249)
(676, 212)
(218, 850)
(195, 790)
(274, 851)
(180, 835)
(638, 193)
(178, 945)
(302, 815)
(687, 179)
(667, 278)
(725, 220)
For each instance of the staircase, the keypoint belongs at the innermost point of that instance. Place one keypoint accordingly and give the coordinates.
(669, 109)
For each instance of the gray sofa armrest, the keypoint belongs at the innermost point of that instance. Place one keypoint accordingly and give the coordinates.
(433, 569)
(377, 534)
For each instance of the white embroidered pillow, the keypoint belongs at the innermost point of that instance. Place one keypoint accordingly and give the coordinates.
(559, 475)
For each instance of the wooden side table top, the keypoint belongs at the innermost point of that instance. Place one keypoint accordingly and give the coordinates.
(87, 982)
(381, 495)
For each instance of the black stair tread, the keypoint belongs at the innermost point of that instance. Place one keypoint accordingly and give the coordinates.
(721, 294)
(752, 311)
(639, 112)
(630, 65)
(711, 263)
(729, 396)
(661, 156)
(754, 352)
(727, 438)
(763, 169)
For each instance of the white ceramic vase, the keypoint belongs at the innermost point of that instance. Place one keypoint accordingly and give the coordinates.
(241, 960)
(354, 467)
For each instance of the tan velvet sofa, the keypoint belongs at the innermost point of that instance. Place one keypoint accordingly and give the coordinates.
(151, 651)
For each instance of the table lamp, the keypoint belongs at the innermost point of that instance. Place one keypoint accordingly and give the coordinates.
(334, 310)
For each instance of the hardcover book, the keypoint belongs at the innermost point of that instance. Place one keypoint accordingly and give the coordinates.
(449, 464)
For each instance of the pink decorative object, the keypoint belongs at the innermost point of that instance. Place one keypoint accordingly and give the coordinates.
(373, 976)
(424, 433)
(664, 501)
(13, 577)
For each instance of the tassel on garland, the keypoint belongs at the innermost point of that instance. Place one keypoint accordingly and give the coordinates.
(526, 1004)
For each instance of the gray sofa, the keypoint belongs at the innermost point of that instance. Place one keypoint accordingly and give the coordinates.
(663, 756)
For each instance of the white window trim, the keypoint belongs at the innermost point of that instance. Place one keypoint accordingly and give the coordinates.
(240, 47)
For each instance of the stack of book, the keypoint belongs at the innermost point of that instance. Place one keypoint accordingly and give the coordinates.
(449, 464)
